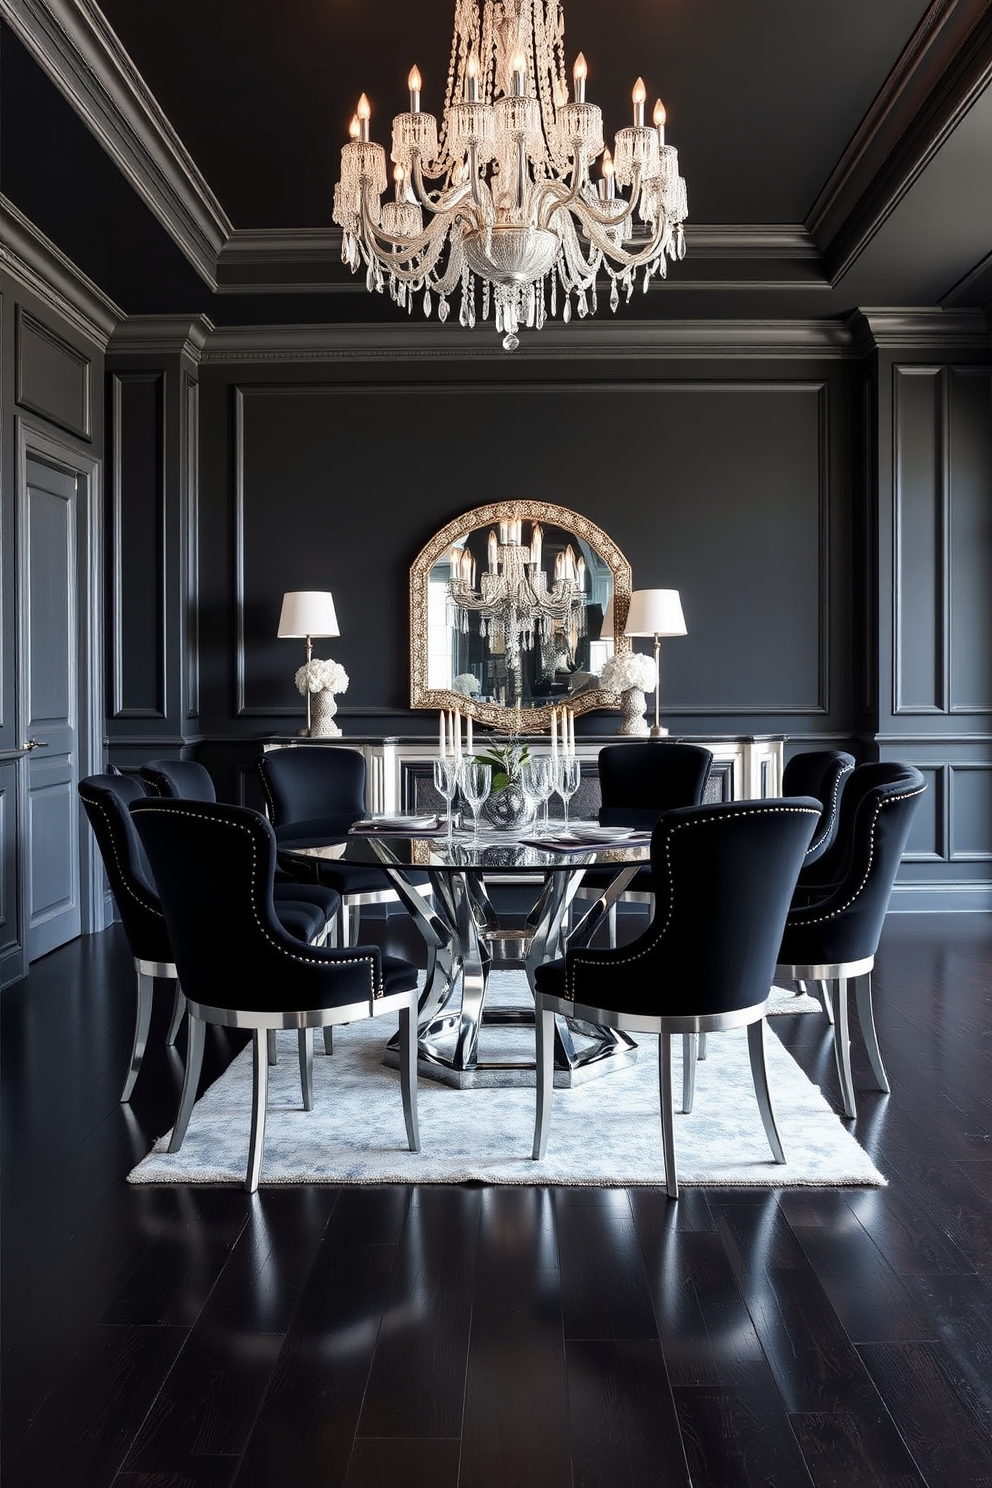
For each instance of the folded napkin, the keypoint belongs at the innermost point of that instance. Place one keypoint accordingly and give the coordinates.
(399, 826)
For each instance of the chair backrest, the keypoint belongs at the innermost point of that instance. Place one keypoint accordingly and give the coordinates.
(821, 773)
(723, 878)
(214, 866)
(639, 781)
(311, 783)
(183, 780)
(106, 799)
(845, 923)
(832, 866)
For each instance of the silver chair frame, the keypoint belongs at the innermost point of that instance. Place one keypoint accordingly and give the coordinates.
(146, 972)
(833, 979)
(403, 1003)
(690, 1026)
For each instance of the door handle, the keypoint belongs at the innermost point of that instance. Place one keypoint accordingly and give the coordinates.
(30, 744)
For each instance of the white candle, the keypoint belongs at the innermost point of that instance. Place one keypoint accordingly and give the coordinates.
(554, 731)
(440, 734)
(571, 730)
(468, 733)
(456, 727)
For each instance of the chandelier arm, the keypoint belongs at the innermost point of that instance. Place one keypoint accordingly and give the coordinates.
(646, 254)
(424, 200)
(376, 236)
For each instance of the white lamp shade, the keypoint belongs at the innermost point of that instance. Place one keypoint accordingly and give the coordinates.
(308, 612)
(655, 612)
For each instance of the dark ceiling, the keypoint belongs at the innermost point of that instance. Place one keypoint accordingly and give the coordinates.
(837, 155)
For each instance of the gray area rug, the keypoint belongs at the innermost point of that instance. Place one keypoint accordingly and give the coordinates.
(604, 1133)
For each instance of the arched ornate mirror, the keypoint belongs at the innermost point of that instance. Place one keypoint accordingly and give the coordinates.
(514, 608)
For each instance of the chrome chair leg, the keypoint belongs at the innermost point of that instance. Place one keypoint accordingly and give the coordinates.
(545, 1037)
(827, 997)
(667, 1112)
(690, 1043)
(142, 1022)
(328, 1040)
(866, 1018)
(196, 1030)
(305, 1038)
(270, 1046)
(759, 1074)
(842, 1047)
(259, 1097)
(178, 1008)
(408, 1076)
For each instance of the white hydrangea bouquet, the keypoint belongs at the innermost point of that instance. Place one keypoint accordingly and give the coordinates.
(467, 684)
(321, 676)
(628, 669)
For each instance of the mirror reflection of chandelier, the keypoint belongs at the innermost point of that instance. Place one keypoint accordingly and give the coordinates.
(514, 602)
(502, 193)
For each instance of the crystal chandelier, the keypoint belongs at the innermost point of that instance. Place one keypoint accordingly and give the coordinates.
(514, 602)
(502, 194)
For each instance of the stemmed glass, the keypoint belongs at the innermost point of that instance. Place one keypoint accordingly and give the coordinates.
(567, 774)
(446, 784)
(475, 779)
(537, 781)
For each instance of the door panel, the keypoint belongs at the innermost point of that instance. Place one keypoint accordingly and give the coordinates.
(50, 657)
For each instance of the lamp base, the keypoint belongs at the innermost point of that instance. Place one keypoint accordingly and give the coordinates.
(658, 731)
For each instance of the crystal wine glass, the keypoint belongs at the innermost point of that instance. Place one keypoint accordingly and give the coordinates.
(537, 782)
(446, 784)
(475, 779)
(567, 774)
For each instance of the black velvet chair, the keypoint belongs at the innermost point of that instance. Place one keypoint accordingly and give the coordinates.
(833, 937)
(637, 782)
(724, 876)
(821, 773)
(181, 780)
(239, 967)
(313, 794)
(187, 780)
(106, 800)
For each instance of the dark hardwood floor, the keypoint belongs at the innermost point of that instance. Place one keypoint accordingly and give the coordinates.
(526, 1338)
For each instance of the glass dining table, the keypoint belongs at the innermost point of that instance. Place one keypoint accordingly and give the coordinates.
(465, 935)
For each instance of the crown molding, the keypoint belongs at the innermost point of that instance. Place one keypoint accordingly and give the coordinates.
(944, 67)
(161, 335)
(38, 265)
(935, 331)
(625, 340)
(75, 46)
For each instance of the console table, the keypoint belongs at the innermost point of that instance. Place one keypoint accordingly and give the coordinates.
(400, 767)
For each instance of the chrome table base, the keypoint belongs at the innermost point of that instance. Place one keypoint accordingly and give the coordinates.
(464, 936)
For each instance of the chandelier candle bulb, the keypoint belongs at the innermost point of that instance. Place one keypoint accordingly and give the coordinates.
(493, 552)
(660, 120)
(414, 83)
(519, 75)
(472, 79)
(608, 184)
(363, 113)
(579, 74)
(638, 95)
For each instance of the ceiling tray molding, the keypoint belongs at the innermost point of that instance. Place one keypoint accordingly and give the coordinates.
(936, 332)
(75, 46)
(37, 264)
(161, 335)
(623, 340)
(943, 69)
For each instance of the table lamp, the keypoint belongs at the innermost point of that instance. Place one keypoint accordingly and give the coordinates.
(308, 613)
(655, 612)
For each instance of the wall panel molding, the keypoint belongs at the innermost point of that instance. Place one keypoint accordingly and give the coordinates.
(137, 620)
(52, 378)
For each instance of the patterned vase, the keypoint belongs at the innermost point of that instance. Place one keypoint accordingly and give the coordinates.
(632, 705)
(322, 711)
(508, 810)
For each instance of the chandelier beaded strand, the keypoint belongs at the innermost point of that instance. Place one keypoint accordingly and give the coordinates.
(511, 201)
